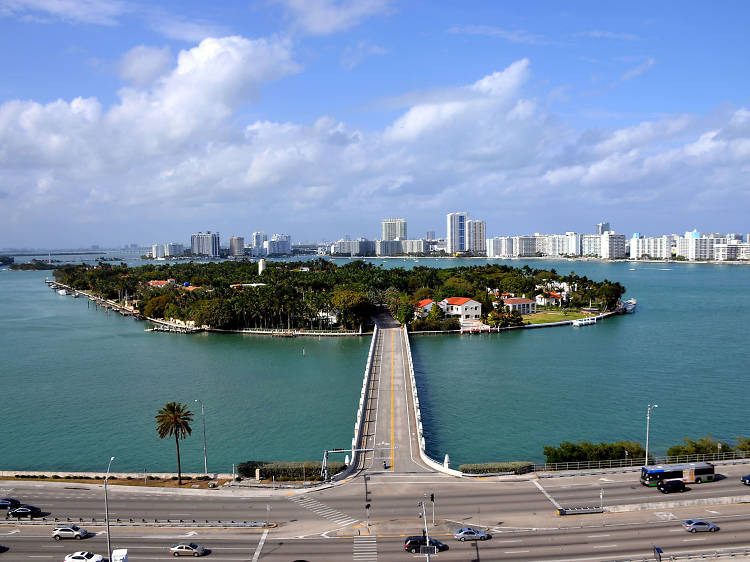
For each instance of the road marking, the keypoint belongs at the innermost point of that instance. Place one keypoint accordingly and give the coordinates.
(605, 546)
(256, 556)
(694, 540)
(595, 536)
(323, 510)
(393, 426)
(365, 548)
(550, 498)
(516, 551)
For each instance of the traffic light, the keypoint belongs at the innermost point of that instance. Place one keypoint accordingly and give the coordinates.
(432, 498)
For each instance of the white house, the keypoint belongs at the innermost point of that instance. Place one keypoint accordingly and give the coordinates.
(423, 308)
(552, 298)
(465, 309)
(524, 306)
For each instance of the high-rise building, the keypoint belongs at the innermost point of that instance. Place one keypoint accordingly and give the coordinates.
(655, 248)
(500, 247)
(394, 229)
(174, 249)
(279, 244)
(237, 245)
(430, 235)
(205, 244)
(602, 227)
(475, 236)
(612, 245)
(455, 233)
(157, 251)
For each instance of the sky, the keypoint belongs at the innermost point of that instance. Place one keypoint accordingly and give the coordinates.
(140, 122)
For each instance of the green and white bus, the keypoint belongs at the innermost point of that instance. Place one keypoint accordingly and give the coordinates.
(688, 472)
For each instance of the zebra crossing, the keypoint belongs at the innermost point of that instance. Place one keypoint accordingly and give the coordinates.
(323, 510)
(365, 549)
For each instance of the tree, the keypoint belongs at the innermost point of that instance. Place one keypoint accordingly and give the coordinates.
(174, 419)
(405, 313)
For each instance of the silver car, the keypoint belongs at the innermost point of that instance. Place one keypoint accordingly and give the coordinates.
(696, 525)
(471, 534)
(69, 532)
(187, 549)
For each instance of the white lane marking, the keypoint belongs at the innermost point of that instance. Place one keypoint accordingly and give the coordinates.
(256, 556)
(605, 546)
(595, 536)
(694, 540)
(550, 498)
(516, 551)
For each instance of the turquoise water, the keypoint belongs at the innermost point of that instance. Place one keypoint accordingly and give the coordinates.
(80, 385)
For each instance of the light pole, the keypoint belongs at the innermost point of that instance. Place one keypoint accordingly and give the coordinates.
(106, 509)
(648, 426)
(203, 415)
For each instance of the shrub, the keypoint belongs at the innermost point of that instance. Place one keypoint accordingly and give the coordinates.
(516, 467)
(310, 470)
(585, 451)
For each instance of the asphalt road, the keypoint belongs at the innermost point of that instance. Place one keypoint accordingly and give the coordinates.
(331, 524)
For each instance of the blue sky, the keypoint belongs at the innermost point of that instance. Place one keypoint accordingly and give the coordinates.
(131, 122)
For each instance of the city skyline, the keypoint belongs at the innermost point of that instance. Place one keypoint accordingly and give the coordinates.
(123, 122)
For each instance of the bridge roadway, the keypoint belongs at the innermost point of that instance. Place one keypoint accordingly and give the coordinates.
(390, 424)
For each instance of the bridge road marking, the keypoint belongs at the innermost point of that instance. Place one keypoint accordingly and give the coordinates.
(256, 556)
(365, 549)
(393, 411)
(550, 498)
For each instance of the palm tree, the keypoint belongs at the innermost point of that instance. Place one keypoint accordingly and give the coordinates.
(174, 419)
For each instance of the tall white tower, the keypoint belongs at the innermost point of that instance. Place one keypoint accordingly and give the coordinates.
(455, 232)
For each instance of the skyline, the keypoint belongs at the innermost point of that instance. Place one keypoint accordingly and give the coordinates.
(122, 122)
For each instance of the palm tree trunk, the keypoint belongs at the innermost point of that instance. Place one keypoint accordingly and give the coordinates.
(179, 468)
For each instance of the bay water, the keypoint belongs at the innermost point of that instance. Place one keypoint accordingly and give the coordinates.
(80, 385)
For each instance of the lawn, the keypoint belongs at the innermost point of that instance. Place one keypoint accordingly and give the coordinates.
(558, 315)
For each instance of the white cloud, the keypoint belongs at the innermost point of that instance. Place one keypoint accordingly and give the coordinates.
(177, 27)
(176, 145)
(640, 69)
(354, 55)
(102, 12)
(512, 35)
(598, 34)
(321, 17)
(141, 65)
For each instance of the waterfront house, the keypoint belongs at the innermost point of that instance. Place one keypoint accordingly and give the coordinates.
(522, 305)
(549, 299)
(423, 308)
(158, 283)
(465, 309)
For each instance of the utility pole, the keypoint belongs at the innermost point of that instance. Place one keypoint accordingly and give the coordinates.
(432, 499)
(423, 515)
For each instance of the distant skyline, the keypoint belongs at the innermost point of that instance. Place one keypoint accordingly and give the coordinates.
(124, 122)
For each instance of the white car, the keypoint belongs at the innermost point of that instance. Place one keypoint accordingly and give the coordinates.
(69, 532)
(84, 556)
(187, 549)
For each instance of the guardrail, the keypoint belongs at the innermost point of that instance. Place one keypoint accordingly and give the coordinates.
(418, 415)
(743, 456)
(134, 522)
(359, 424)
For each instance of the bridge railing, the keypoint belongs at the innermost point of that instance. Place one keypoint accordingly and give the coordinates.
(743, 456)
(359, 423)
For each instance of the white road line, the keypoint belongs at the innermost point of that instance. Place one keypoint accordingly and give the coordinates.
(693, 540)
(605, 546)
(550, 498)
(256, 556)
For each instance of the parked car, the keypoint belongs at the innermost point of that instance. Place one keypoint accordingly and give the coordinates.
(187, 549)
(9, 503)
(69, 532)
(412, 544)
(671, 486)
(745, 480)
(696, 525)
(83, 556)
(24, 510)
(471, 534)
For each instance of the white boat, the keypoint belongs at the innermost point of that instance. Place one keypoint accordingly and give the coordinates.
(629, 305)
(62, 291)
(584, 321)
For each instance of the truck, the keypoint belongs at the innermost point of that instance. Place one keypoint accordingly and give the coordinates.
(120, 555)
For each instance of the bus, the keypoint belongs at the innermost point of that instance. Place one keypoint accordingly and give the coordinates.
(688, 472)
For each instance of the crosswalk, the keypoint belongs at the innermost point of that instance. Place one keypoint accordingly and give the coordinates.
(365, 549)
(323, 510)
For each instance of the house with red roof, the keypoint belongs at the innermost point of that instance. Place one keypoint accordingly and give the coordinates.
(551, 298)
(465, 309)
(522, 305)
(423, 308)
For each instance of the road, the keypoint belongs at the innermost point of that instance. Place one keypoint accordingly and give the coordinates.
(331, 524)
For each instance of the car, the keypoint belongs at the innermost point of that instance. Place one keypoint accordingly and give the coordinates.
(24, 510)
(745, 480)
(187, 549)
(69, 532)
(9, 503)
(83, 556)
(671, 486)
(413, 543)
(471, 534)
(696, 525)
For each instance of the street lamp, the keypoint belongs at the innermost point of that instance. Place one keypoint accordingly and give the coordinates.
(106, 510)
(203, 415)
(648, 424)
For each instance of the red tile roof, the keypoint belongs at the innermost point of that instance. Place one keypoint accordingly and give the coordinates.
(518, 301)
(555, 295)
(424, 302)
(457, 301)
(157, 283)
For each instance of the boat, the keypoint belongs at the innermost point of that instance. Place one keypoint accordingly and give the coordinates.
(629, 306)
(62, 291)
(584, 321)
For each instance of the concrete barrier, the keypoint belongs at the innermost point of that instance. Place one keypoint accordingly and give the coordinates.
(360, 421)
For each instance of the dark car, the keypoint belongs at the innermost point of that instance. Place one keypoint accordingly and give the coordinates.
(671, 486)
(9, 503)
(745, 480)
(412, 544)
(24, 511)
